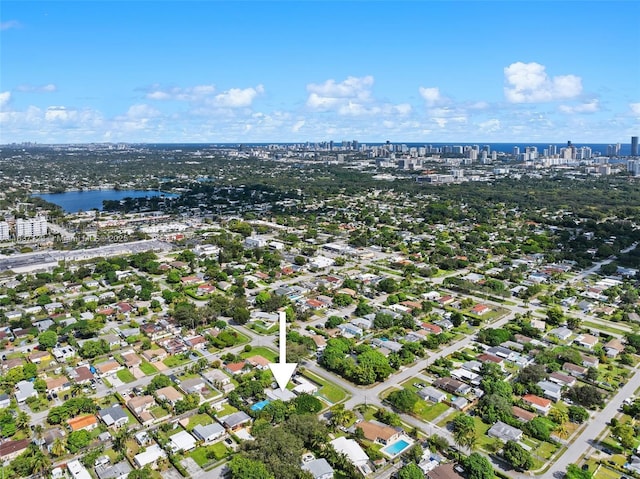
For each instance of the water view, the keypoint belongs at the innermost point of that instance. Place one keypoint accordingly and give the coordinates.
(74, 201)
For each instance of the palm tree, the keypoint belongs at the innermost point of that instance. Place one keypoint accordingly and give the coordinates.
(59, 447)
(41, 465)
(121, 438)
(22, 421)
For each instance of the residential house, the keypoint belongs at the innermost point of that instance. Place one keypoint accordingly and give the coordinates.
(465, 375)
(140, 406)
(209, 433)
(154, 331)
(259, 362)
(562, 379)
(9, 450)
(114, 416)
(303, 386)
(490, 358)
(377, 432)
(541, 405)
(504, 432)
(37, 357)
(217, 378)
(131, 359)
(353, 451)
(182, 442)
(574, 369)
(586, 341)
(82, 375)
(589, 361)
(113, 340)
(563, 333)
(169, 394)
(350, 330)
(25, 390)
(5, 401)
(551, 390)
(235, 421)
(154, 355)
(196, 342)
(321, 342)
(119, 470)
(480, 309)
(443, 471)
(108, 368)
(55, 385)
(77, 470)
(87, 422)
(432, 394)
(460, 403)
(149, 457)
(49, 437)
(63, 353)
(613, 348)
(235, 368)
(431, 328)
(319, 469)
(452, 386)
(173, 345)
(522, 415)
(194, 385)
(11, 363)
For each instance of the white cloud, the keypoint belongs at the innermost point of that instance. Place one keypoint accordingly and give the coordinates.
(8, 25)
(348, 95)
(142, 111)
(529, 83)
(297, 126)
(432, 96)
(194, 93)
(591, 106)
(5, 96)
(59, 113)
(490, 126)
(238, 98)
(403, 108)
(48, 88)
(635, 109)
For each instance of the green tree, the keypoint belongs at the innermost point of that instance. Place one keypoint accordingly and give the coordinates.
(144, 473)
(58, 448)
(464, 433)
(517, 456)
(78, 440)
(478, 467)
(410, 471)
(575, 472)
(403, 400)
(47, 339)
(241, 467)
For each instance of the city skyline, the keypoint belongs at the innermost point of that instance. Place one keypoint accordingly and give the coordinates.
(309, 71)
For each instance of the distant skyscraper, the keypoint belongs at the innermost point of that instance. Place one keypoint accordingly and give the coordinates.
(516, 150)
(634, 146)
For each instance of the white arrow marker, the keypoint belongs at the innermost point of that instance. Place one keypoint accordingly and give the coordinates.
(283, 370)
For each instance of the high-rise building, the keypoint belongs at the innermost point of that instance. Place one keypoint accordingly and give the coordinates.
(31, 228)
(634, 146)
(4, 231)
(516, 151)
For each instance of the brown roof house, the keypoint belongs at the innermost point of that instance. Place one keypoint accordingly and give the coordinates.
(378, 432)
(169, 394)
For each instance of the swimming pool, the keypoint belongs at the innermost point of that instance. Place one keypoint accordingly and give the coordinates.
(260, 405)
(397, 447)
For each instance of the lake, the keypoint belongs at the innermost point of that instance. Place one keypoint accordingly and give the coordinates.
(74, 201)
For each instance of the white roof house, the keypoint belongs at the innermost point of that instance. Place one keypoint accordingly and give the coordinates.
(208, 433)
(77, 470)
(183, 441)
(149, 456)
(351, 449)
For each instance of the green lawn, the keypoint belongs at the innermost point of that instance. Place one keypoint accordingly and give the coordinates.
(158, 412)
(328, 390)
(604, 327)
(428, 411)
(545, 450)
(202, 419)
(177, 360)
(261, 328)
(148, 368)
(606, 473)
(209, 454)
(267, 353)
(226, 410)
(125, 376)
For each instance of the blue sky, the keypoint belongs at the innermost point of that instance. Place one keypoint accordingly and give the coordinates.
(417, 71)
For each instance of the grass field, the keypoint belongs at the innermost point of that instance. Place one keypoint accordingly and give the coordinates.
(177, 360)
(125, 376)
(148, 368)
(202, 419)
(208, 454)
(270, 354)
(328, 390)
(428, 411)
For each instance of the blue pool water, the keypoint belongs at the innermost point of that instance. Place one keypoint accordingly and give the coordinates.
(260, 405)
(396, 448)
